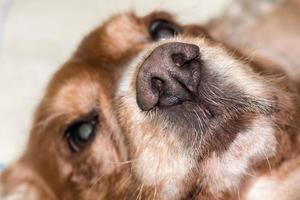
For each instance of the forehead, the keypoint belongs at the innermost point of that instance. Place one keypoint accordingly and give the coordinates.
(92, 72)
(88, 78)
(78, 94)
(123, 31)
(77, 89)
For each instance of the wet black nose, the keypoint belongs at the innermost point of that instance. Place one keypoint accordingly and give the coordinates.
(169, 76)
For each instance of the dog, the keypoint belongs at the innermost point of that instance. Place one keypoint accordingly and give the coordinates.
(149, 108)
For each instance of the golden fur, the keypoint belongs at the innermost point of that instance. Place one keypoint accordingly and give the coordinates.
(251, 151)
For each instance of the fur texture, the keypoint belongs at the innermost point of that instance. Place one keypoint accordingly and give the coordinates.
(239, 139)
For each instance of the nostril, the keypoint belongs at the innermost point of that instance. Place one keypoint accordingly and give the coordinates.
(157, 84)
(179, 59)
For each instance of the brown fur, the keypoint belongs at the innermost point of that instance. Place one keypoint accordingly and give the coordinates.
(108, 167)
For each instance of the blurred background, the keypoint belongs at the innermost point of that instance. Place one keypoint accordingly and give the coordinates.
(37, 36)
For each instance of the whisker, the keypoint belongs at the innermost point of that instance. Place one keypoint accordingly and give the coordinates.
(139, 196)
(268, 162)
(155, 192)
(249, 174)
(238, 193)
(124, 162)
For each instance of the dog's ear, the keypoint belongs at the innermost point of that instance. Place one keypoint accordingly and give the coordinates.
(21, 181)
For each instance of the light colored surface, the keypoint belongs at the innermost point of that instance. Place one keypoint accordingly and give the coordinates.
(37, 36)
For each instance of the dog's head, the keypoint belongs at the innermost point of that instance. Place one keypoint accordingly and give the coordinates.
(147, 107)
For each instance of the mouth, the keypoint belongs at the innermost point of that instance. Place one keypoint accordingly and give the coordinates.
(175, 86)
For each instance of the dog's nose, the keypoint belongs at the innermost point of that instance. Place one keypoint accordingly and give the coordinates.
(169, 76)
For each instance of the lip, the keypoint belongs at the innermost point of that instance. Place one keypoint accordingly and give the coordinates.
(195, 105)
(190, 117)
(209, 113)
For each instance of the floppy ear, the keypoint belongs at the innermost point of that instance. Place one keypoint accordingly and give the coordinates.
(22, 182)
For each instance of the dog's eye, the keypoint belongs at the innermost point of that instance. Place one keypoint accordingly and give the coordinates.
(162, 29)
(81, 133)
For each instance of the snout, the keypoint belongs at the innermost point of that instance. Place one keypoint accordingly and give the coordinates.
(169, 76)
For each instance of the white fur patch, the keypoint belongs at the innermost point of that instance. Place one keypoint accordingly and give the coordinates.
(160, 163)
(232, 71)
(286, 188)
(256, 144)
(162, 160)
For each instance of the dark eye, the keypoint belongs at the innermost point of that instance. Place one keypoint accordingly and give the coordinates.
(81, 132)
(162, 29)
